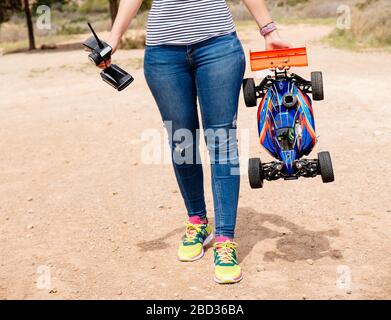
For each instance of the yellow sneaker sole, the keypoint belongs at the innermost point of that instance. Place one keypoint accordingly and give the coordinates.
(229, 281)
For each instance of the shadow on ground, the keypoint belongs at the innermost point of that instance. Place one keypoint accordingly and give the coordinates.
(294, 242)
(159, 243)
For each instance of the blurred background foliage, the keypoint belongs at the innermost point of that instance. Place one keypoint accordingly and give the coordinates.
(371, 26)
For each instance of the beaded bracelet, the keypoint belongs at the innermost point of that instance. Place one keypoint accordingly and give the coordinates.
(269, 28)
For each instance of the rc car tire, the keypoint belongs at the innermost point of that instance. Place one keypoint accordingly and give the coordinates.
(249, 92)
(325, 167)
(317, 85)
(255, 173)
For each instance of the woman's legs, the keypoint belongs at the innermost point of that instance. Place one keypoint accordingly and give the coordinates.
(213, 71)
(219, 68)
(171, 80)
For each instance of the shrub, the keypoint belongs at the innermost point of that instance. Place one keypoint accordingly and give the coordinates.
(146, 5)
(371, 22)
(136, 41)
(89, 6)
(371, 26)
(68, 29)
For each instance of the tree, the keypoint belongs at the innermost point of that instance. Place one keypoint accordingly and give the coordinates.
(30, 27)
(8, 8)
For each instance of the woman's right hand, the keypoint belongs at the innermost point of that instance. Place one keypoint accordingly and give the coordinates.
(274, 42)
(113, 42)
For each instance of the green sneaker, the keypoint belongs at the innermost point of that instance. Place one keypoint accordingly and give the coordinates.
(227, 269)
(196, 237)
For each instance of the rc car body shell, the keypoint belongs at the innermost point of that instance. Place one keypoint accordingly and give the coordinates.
(288, 133)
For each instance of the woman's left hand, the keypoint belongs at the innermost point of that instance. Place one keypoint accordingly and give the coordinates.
(273, 41)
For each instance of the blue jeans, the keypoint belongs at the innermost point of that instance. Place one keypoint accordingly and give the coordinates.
(211, 71)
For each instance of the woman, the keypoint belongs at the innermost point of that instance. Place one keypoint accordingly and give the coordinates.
(192, 51)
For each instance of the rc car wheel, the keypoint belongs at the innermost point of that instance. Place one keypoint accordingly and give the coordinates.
(325, 167)
(317, 85)
(255, 173)
(249, 92)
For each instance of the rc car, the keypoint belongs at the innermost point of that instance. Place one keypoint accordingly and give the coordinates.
(285, 118)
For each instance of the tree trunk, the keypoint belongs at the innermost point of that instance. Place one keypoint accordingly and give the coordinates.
(114, 4)
(30, 26)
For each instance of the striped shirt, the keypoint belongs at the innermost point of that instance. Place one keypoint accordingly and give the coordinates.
(185, 22)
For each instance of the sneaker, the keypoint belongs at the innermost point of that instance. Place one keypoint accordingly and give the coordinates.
(196, 237)
(227, 269)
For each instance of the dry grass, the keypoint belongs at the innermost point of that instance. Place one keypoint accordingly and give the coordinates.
(315, 12)
(306, 10)
(372, 24)
(11, 31)
(135, 40)
(239, 12)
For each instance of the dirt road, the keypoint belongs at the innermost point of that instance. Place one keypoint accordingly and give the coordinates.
(81, 215)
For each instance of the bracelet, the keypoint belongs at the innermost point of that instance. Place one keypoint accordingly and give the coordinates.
(269, 28)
